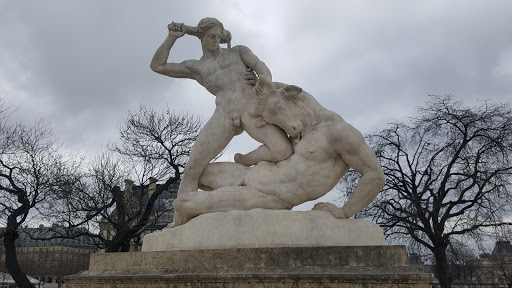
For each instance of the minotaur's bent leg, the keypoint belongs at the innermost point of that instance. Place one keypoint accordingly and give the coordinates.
(225, 199)
(222, 174)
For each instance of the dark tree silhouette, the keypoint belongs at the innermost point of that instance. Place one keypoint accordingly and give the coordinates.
(32, 168)
(154, 146)
(448, 173)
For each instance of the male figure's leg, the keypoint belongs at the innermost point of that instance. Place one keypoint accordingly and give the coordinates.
(212, 139)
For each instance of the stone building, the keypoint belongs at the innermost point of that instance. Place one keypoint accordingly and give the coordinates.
(136, 196)
(50, 260)
(495, 268)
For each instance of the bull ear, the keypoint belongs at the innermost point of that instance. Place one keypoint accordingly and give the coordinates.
(291, 91)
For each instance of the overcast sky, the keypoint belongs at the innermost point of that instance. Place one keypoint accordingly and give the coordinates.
(82, 65)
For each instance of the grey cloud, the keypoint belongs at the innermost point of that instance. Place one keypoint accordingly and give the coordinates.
(84, 64)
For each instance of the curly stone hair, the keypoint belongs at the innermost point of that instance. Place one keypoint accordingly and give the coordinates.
(207, 23)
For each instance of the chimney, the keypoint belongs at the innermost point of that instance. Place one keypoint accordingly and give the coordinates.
(128, 184)
(152, 186)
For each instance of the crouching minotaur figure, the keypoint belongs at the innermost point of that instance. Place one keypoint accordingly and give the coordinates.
(325, 147)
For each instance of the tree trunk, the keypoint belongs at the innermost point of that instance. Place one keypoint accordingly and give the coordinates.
(442, 267)
(120, 243)
(11, 260)
(125, 246)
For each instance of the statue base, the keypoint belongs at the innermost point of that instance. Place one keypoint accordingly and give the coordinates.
(259, 228)
(258, 248)
(306, 267)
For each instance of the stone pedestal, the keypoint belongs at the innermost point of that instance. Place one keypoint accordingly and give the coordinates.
(258, 228)
(258, 248)
(342, 266)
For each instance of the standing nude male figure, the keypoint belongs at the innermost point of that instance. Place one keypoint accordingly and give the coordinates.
(221, 71)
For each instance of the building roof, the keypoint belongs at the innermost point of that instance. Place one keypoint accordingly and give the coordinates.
(502, 247)
(162, 204)
(26, 236)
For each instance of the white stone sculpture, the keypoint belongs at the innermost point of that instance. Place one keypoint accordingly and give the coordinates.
(324, 145)
(221, 72)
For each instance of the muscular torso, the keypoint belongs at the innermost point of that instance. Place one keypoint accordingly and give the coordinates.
(312, 171)
(223, 77)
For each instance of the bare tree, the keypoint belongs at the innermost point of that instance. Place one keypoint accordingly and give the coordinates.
(154, 147)
(448, 174)
(157, 143)
(499, 263)
(461, 259)
(32, 167)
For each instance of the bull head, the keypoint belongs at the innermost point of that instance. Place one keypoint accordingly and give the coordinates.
(277, 105)
(265, 88)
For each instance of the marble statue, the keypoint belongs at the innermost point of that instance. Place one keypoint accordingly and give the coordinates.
(221, 72)
(305, 150)
(324, 148)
